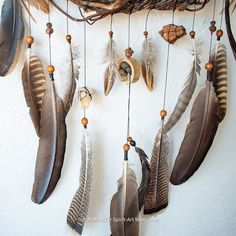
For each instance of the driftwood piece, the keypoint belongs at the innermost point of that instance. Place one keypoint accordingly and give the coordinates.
(103, 8)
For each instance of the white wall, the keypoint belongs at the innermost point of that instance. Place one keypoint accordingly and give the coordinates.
(205, 205)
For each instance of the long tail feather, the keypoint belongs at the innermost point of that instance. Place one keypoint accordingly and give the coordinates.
(146, 177)
(149, 58)
(51, 149)
(124, 209)
(157, 198)
(187, 92)
(77, 214)
(199, 135)
(219, 59)
(228, 27)
(34, 84)
(11, 36)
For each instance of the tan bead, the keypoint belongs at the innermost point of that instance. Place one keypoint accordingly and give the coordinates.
(49, 31)
(209, 66)
(51, 69)
(212, 28)
(219, 33)
(129, 139)
(129, 52)
(126, 147)
(192, 34)
(163, 113)
(84, 121)
(30, 40)
(68, 38)
(110, 34)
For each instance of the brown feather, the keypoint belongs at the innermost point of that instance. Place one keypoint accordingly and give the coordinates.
(11, 36)
(131, 211)
(51, 146)
(34, 84)
(219, 59)
(157, 197)
(199, 135)
(39, 4)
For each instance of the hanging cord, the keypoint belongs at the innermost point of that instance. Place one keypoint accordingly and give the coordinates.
(111, 36)
(67, 18)
(147, 17)
(222, 15)
(85, 59)
(49, 35)
(194, 18)
(129, 30)
(29, 19)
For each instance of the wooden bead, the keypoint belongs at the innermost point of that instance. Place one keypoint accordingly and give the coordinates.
(129, 52)
(163, 113)
(145, 33)
(30, 40)
(49, 31)
(219, 33)
(49, 25)
(209, 66)
(126, 147)
(68, 38)
(51, 69)
(129, 139)
(84, 121)
(192, 34)
(110, 34)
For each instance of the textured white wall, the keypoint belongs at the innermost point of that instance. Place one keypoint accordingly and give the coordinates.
(204, 205)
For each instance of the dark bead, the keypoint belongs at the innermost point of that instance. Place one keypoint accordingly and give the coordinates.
(133, 143)
(49, 31)
(212, 28)
(213, 22)
(49, 25)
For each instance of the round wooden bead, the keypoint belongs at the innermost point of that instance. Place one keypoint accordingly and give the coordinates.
(129, 139)
(110, 34)
(163, 113)
(68, 38)
(219, 33)
(192, 34)
(126, 147)
(129, 52)
(84, 121)
(145, 33)
(51, 69)
(49, 31)
(209, 66)
(30, 40)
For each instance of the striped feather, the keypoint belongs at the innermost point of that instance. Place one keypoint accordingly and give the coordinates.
(77, 214)
(34, 84)
(187, 92)
(157, 197)
(219, 59)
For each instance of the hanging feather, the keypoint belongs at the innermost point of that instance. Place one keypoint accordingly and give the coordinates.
(199, 135)
(187, 92)
(51, 149)
(219, 60)
(111, 72)
(149, 58)
(228, 27)
(77, 214)
(157, 197)
(34, 84)
(38, 4)
(124, 209)
(11, 36)
(146, 177)
(69, 75)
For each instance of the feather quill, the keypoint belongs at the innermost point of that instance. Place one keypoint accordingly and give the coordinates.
(228, 27)
(11, 36)
(199, 135)
(51, 149)
(69, 75)
(149, 58)
(111, 72)
(124, 209)
(219, 60)
(187, 92)
(77, 213)
(157, 197)
(146, 177)
(34, 84)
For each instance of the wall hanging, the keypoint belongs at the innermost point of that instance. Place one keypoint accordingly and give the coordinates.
(48, 108)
